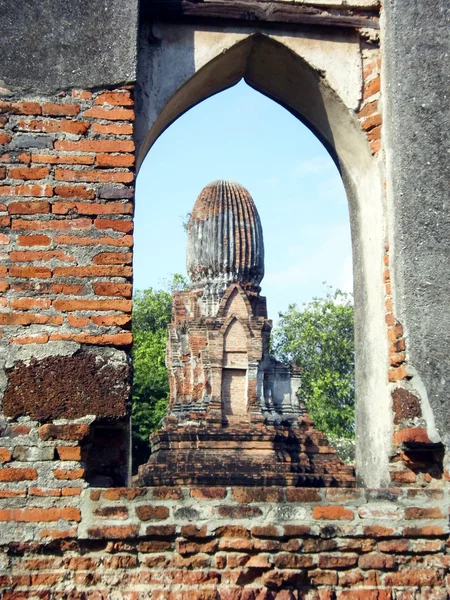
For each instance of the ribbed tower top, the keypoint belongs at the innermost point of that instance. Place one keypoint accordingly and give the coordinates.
(225, 238)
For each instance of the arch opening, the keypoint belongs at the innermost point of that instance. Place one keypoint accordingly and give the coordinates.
(285, 76)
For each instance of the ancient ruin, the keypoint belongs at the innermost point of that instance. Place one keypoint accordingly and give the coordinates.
(234, 417)
(86, 88)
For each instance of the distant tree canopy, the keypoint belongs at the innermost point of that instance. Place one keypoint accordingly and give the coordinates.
(319, 338)
(152, 310)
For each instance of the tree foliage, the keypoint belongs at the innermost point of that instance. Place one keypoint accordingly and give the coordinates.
(152, 310)
(319, 338)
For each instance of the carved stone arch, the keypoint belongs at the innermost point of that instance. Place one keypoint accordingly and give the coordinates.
(320, 84)
(236, 298)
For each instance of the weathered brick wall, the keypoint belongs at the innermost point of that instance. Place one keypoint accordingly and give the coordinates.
(66, 168)
(230, 543)
(66, 189)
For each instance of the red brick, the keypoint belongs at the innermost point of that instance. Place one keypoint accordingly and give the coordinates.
(414, 577)
(34, 240)
(68, 432)
(4, 138)
(113, 129)
(73, 305)
(332, 513)
(115, 98)
(27, 303)
(369, 123)
(96, 145)
(371, 88)
(60, 109)
(414, 512)
(26, 108)
(238, 512)
(75, 321)
(81, 94)
(69, 452)
(115, 114)
(29, 319)
(95, 271)
(302, 495)
(113, 258)
(368, 109)
(115, 224)
(110, 208)
(208, 493)
(285, 560)
(2, 172)
(337, 561)
(13, 493)
(122, 493)
(377, 561)
(152, 513)
(111, 320)
(40, 255)
(28, 172)
(113, 532)
(58, 225)
(16, 474)
(58, 534)
(38, 338)
(45, 492)
(403, 477)
(114, 160)
(46, 579)
(373, 134)
(28, 208)
(94, 176)
(112, 289)
(118, 339)
(68, 474)
(233, 531)
(111, 512)
(415, 435)
(427, 530)
(5, 455)
(125, 240)
(26, 190)
(64, 159)
(257, 494)
(55, 126)
(31, 272)
(71, 491)
(74, 191)
(378, 531)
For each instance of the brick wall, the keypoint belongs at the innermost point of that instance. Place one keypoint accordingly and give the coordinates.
(66, 167)
(231, 544)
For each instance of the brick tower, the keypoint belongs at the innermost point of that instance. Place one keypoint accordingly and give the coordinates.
(234, 416)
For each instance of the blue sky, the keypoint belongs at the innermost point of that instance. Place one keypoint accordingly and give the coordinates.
(241, 135)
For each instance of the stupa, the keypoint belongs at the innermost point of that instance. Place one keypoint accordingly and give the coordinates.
(234, 416)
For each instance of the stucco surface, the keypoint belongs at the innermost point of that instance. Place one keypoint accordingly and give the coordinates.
(418, 162)
(53, 44)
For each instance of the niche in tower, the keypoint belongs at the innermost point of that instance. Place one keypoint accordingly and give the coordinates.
(234, 370)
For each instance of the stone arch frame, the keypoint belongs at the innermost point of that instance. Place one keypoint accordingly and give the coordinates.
(276, 68)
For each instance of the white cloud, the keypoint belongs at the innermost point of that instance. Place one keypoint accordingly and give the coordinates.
(314, 166)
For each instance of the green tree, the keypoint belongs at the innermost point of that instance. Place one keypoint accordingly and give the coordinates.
(319, 338)
(152, 310)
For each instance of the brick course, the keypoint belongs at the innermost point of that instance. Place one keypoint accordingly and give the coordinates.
(174, 543)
